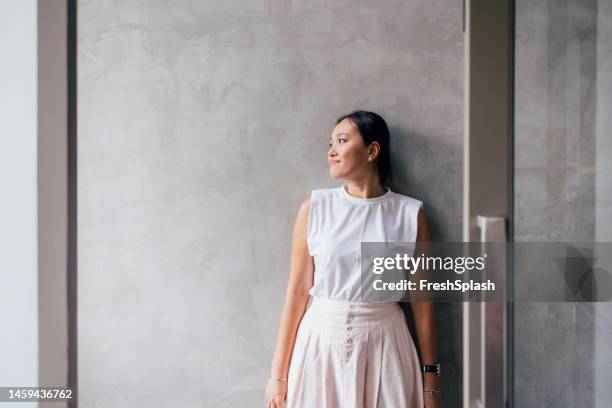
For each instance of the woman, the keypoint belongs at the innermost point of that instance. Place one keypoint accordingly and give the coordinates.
(342, 352)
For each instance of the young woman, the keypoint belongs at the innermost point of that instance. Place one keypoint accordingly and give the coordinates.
(342, 352)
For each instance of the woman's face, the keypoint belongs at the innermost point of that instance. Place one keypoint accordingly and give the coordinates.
(347, 155)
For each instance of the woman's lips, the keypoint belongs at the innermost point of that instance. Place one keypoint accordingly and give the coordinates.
(333, 162)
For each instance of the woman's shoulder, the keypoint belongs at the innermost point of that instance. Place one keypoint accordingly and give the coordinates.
(409, 201)
(316, 194)
(319, 193)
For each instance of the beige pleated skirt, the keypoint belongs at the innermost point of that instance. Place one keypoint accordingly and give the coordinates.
(354, 355)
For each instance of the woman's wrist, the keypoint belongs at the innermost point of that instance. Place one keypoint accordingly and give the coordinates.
(431, 391)
(277, 371)
(278, 376)
(431, 380)
(431, 384)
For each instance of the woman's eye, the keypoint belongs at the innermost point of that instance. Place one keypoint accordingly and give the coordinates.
(339, 141)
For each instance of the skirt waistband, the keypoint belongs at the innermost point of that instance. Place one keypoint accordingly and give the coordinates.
(358, 310)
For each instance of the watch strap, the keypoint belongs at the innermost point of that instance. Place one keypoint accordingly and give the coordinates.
(431, 368)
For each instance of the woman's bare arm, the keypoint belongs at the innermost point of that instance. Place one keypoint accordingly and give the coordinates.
(425, 319)
(297, 296)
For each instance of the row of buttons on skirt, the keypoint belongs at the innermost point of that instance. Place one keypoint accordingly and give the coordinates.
(348, 340)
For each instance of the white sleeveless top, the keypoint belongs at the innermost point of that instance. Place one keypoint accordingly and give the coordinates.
(337, 224)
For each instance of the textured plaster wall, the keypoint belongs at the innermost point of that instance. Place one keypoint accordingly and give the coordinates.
(202, 126)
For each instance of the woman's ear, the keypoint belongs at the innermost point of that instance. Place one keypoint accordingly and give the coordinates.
(374, 149)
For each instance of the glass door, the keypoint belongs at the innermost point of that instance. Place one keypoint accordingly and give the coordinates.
(538, 170)
(562, 192)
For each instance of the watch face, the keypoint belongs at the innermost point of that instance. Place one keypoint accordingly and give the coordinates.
(432, 368)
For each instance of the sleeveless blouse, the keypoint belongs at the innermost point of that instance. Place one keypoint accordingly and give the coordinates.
(337, 224)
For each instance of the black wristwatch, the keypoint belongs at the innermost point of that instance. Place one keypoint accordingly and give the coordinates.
(431, 368)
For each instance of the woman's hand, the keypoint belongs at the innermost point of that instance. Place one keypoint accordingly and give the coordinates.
(432, 400)
(276, 391)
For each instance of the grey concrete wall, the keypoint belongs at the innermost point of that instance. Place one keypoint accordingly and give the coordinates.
(202, 126)
(563, 177)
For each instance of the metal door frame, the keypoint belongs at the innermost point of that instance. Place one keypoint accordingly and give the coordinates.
(488, 191)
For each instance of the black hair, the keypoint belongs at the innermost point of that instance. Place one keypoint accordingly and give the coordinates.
(373, 128)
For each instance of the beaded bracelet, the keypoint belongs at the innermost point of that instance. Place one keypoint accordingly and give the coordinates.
(431, 390)
(278, 379)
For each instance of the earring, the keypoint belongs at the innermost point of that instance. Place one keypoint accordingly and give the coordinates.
(369, 158)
